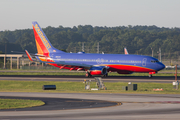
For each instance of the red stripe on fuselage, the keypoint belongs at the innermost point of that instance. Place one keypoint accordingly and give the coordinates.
(114, 68)
(129, 68)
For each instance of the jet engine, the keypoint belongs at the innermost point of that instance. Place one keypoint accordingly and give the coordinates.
(98, 70)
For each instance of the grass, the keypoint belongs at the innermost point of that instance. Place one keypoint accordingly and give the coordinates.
(79, 87)
(19, 103)
(72, 87)
(21, 72)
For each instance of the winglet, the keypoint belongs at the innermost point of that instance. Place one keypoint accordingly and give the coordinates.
(29, 56)
(125, 51)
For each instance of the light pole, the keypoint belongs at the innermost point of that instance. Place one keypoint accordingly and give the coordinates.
(160, 54)
(176, 81)
(5, 56)
(152, 52)
(98, 47)
(82, 46)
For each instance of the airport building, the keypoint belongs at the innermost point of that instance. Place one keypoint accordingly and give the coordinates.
(20, 61)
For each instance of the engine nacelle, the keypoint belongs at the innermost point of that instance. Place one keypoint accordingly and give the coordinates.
(98, 70)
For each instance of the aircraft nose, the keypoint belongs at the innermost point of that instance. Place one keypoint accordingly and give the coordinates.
(161, 66)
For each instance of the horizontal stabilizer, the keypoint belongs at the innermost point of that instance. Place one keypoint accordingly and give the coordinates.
(29, 56)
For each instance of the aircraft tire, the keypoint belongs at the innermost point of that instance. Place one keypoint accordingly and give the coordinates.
(150, 75)
(105, 75)
(88, 75)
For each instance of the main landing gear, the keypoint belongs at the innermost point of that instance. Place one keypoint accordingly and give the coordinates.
(88, 74)
(105, 75)
(150, 75)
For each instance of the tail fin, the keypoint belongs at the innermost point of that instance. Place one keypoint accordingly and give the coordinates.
(43, 45)
(126, 51)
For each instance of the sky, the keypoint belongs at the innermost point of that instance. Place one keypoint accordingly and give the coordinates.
(19, 14)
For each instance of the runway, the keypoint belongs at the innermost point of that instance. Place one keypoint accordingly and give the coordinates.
(158, 79)
(134, 107)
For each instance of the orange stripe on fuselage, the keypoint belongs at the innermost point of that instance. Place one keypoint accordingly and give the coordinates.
(43, 59)
(41, 48)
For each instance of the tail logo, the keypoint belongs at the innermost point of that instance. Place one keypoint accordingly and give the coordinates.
(46, 43)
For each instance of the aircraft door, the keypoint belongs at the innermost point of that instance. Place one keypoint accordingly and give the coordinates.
(144, 61)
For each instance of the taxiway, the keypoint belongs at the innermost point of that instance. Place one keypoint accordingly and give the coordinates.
(158, 79)
(134, 106)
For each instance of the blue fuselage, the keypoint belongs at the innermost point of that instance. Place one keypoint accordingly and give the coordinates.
(115, 62)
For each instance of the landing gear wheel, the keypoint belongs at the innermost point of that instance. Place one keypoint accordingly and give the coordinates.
(150, 75)
(105, 75)
(88, 75)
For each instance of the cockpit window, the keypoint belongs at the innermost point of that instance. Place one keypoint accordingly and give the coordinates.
(154, 61)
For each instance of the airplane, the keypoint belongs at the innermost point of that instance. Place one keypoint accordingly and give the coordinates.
(93, 64)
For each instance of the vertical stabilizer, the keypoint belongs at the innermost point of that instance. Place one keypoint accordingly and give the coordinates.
(126, 51)
(43, 45)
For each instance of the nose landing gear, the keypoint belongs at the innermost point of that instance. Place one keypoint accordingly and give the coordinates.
(150, 74)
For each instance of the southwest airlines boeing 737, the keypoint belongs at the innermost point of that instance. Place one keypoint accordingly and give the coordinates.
(93, 64)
